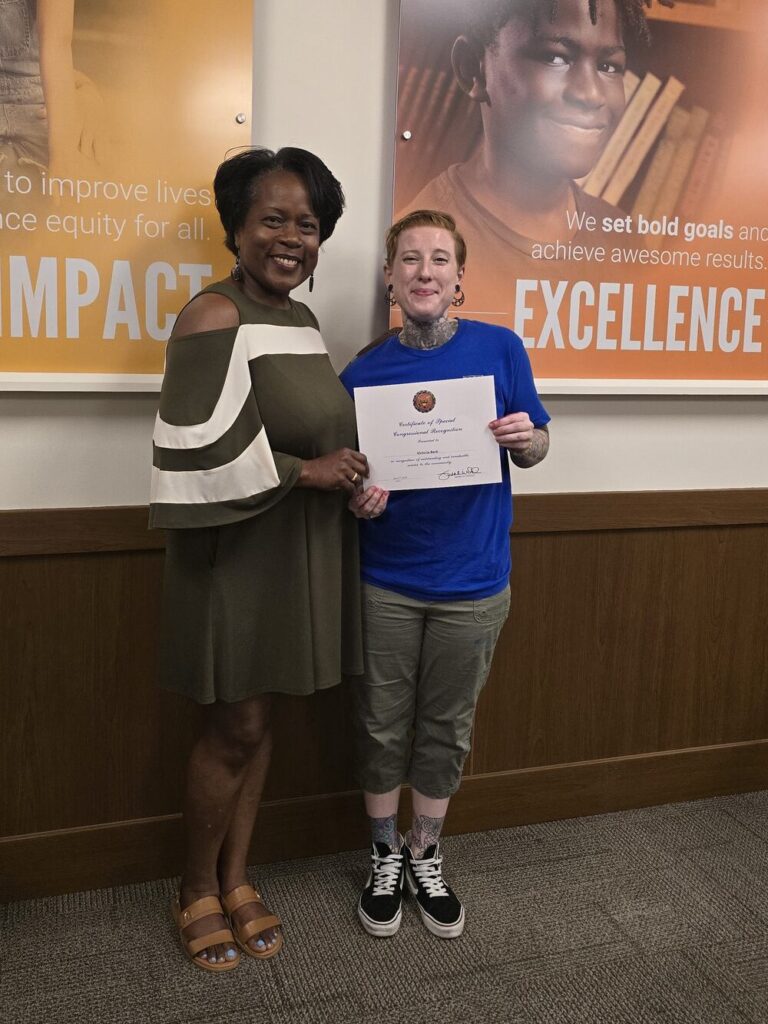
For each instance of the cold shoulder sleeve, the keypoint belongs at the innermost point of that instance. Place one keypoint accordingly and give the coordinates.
(213, 463)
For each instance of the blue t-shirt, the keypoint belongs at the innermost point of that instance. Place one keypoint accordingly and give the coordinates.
(448, 543)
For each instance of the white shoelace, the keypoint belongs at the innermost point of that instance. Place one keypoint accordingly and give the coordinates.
(386, 873)
(429, 874)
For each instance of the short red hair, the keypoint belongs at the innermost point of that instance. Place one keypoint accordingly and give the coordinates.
(426, 219)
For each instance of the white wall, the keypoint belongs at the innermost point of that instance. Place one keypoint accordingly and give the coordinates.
(324, 76)
(67, 451)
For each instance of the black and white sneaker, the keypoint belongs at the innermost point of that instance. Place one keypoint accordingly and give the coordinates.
(439, 907)
(379, 907)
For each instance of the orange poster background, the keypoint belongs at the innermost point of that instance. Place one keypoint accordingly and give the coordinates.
(715, 50)
(167, 80)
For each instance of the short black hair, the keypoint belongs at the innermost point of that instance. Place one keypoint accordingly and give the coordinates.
(488, 17)
(236, 183)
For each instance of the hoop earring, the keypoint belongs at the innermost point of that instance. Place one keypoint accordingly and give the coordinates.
(458, 296)
(390, 297)
(311, 281)
(236, 273)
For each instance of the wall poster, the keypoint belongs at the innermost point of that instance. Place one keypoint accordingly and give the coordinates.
(610, 177)
(114, 115)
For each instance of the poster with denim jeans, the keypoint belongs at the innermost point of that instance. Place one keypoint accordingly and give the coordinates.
(114, 115)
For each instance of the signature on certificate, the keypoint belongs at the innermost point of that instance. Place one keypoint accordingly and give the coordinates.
(449, 474)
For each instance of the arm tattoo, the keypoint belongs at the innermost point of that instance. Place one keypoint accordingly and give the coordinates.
(425, 832)
(384, 830)
(535, 451)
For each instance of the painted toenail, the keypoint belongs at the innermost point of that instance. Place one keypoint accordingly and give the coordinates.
(231, 954)
(260, 943)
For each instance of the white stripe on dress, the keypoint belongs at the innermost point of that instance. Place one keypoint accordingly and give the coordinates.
(250, 473)
(251, 341)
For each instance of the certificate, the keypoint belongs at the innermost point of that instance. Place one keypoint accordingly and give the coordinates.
(431, 434)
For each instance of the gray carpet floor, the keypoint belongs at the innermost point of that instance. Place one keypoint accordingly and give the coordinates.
(646, 916)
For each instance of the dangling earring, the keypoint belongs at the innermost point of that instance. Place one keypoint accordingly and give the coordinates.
(236, 273)
(458, 296)
(311, 281)
(390, 297)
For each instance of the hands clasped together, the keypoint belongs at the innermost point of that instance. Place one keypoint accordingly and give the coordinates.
(345, 470)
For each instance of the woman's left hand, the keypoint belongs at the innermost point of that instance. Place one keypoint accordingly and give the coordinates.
(514, 431)
(368, 504)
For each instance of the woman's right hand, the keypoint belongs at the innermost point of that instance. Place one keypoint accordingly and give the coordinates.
(369, 503)
(342, 470)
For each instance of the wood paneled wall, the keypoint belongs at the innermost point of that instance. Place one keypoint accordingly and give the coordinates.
(633, 670)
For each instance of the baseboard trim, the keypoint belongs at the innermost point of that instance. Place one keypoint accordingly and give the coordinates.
(119, 853)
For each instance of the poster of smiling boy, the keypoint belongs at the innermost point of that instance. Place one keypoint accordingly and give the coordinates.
(537, 123)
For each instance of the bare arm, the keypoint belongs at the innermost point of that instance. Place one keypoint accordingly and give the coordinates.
(206, 312)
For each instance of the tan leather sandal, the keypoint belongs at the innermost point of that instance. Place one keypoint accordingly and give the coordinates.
(204, 907)
(237, 898)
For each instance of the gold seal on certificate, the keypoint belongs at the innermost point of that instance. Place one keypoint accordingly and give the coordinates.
(429, 434)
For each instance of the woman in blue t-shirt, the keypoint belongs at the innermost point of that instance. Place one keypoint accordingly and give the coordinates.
(435, 567)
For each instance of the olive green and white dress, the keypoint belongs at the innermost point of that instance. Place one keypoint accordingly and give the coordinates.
(261, 588)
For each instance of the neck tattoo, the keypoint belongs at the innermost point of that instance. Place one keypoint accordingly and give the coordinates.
(428, 334)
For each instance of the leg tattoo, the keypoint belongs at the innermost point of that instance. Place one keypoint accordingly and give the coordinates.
(384, 830)
(424, 833)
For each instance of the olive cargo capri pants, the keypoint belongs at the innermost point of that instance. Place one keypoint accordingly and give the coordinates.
(425, 665)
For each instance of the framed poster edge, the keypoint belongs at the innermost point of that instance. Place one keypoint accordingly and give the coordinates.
(80, 381)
